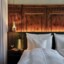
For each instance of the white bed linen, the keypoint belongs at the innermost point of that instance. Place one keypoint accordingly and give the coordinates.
(59, 40)
(41, 56)
(61, 51)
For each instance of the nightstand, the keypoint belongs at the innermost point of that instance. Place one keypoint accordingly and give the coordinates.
(14, 56)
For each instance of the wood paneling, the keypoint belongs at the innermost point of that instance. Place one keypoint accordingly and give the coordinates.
(34, 22)
(14, 14)
(56, 18)
(36, 18)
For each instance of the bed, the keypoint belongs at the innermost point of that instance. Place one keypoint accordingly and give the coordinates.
(41, 49)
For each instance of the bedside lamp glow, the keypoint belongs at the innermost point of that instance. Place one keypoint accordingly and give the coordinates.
(19, 44)
(13, 26)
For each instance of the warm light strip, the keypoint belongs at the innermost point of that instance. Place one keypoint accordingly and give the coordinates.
(46, 30)
(14, 27)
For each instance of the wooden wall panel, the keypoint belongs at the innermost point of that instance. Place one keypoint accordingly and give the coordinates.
(36, 18)
(14, 15)
(57, 23)
(34, 22)
(56, 18)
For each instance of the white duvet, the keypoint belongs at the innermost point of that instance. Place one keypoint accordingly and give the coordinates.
(41, 56)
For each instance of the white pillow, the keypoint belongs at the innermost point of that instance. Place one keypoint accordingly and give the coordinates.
(59, 39)
(39, 41)
(61, 52)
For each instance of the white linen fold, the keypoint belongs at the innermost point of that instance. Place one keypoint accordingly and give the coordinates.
(41, 56)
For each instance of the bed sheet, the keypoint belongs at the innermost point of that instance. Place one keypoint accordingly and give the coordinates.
(41, 56)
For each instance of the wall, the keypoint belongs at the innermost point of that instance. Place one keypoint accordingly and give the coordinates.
(36, 1)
